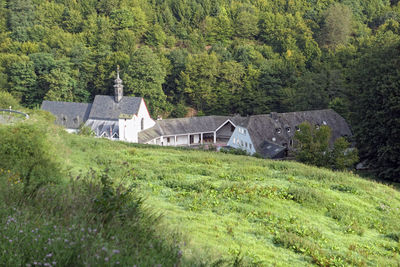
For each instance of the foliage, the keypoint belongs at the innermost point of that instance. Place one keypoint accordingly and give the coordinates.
(375, 80)
(7, 101)
(312, 147)
(29, 155)
(85, 130)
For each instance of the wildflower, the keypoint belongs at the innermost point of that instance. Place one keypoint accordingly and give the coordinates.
(106, 259)
(20, 231)
(97, 256)
(28, 265)
(117, 262)
(49, 255)
(83, 229)
(54, 263)
(104, 249)
(10, 240)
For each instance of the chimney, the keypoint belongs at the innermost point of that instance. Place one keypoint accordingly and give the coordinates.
(118, 88)
(274, 116)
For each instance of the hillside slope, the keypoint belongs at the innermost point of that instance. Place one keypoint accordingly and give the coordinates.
(260, 212)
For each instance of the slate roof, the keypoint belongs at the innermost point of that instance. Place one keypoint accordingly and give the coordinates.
(69, 114)
(105, 108)
(179, 126)
(279, 128)
(271, 150)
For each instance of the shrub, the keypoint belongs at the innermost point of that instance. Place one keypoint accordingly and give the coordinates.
(28, 154)
(85, 130)
(312, 147)
(7, 100)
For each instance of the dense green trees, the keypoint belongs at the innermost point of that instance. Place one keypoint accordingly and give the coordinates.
(376, 110)
(217, 56)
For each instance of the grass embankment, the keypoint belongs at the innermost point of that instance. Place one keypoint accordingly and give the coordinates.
(258, 211)
(232, 208)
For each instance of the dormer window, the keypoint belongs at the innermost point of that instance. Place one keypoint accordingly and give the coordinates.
(273, 139)
(278, 130)
(317, 126)
(324, 123)
(297, 128)
(288, 129)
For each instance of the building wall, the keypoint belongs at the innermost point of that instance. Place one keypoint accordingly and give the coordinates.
(144, 113)
(129, 128)
(240, 138)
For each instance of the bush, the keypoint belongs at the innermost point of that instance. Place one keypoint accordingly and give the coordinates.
(85, 130)
(312, 147)
(7, 100)
(27, 154)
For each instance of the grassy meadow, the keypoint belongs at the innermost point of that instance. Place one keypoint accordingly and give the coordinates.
(115, 203)
(257, 212)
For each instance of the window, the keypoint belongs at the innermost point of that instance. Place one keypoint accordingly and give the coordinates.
(288, 129)
(142, 124)
(324, 123)
(244, 131)
(278, 130)
(291, 142)
(297, 128)
(232, 128)
(317, 126)
(251, 146)
(234, 140)
(168, 140)
(241, 142)
(273, 139)
(246, 144)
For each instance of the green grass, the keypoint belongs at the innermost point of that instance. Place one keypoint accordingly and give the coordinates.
(259, 212)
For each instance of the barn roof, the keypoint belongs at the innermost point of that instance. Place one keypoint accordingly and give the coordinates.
(69, 114)
(279, 128)
(106, 108)
(185, 126)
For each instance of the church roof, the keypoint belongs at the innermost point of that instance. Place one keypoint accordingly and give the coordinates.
(105, 108)
(69, 114)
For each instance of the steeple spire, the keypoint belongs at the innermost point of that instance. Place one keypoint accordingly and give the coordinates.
(118, 87)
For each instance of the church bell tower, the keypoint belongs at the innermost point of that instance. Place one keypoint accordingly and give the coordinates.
(118, 88)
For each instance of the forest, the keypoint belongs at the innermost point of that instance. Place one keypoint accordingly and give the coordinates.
(216, 57)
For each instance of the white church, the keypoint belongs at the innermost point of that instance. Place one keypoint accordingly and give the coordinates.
(115, 117)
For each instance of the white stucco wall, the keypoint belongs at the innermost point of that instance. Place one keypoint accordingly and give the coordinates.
(129, 128)
(239, 139)
(72, 130)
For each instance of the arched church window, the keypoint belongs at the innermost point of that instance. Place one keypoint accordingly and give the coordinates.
(142, 124)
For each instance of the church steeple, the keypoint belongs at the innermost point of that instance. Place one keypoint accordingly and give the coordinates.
(118, 87)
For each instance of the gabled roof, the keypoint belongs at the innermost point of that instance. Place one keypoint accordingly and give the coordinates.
(106, 108)
(279, 128)
(69, 114)
(205, 124)
(271, 150)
